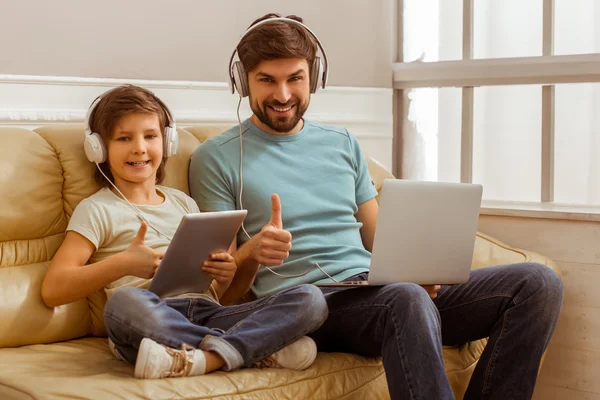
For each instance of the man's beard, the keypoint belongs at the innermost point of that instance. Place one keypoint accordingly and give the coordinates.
(280, 124)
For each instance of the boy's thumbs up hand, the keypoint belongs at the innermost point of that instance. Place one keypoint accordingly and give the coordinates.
(141, 260)
(141, 235)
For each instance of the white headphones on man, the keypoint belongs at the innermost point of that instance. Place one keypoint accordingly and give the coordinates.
(94, 147)
(238, 78)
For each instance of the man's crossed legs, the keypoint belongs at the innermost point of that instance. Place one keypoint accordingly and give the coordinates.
(516, 306)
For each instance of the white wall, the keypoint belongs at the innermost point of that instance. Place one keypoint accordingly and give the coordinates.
(183, 39)
(56, 57)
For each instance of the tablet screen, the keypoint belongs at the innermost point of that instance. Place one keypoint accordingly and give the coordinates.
(197, 237)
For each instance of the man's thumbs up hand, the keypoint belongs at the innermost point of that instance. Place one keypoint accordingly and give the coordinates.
(272, 245)
(276, 212)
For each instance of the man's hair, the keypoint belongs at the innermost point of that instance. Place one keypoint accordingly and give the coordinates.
(118, 103)
(277, 39)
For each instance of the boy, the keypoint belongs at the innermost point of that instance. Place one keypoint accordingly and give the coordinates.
(129, 135)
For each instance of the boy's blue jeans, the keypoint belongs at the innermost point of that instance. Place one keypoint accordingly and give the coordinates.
(516, 306)
(242, 335)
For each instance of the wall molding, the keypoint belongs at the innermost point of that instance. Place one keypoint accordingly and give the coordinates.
(83, 81)
(154, 84)
(31, 100)
(37, 116)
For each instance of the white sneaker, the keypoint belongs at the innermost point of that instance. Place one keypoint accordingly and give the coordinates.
(155, 361)
(297, 356)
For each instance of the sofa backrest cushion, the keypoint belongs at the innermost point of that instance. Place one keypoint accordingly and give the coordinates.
(35, 202)
(44, 174)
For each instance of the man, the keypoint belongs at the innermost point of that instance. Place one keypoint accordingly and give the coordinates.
(323, 203)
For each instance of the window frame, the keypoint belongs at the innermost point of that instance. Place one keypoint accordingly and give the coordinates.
(468, 73)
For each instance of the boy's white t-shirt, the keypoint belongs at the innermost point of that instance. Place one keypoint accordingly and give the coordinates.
(107, 221)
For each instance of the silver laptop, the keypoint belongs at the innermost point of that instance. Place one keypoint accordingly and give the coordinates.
(425, 233)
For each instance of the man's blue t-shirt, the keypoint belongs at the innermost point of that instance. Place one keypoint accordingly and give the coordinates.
(321, 176)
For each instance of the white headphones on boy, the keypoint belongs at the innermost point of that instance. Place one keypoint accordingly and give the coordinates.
(94, 147)
(95, 150)
(238, 78)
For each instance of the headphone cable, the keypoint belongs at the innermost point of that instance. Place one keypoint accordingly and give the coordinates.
(242, 207)
(138, 212)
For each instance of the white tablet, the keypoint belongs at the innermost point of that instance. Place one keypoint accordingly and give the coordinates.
(197, 237)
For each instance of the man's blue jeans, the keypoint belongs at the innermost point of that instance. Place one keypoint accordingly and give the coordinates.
(242, 335)
(516, 306)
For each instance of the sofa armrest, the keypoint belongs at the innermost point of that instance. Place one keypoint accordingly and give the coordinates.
(490, 251)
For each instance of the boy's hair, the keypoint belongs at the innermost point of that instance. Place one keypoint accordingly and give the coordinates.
(118, 103)
(278, 39)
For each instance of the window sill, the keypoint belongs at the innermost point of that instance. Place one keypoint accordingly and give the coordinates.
(540, 210)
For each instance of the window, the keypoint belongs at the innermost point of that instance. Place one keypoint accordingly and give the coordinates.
(503, 93)
(506, 142)
(507, 28)
(424, 22)
(433, 127)
(576, 29)
(577, 144)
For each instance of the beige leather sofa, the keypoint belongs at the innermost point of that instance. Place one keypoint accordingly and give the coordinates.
(62, 352)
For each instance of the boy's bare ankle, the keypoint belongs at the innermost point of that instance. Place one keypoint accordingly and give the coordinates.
(213, 361)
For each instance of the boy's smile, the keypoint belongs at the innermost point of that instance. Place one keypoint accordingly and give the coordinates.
(138, 164)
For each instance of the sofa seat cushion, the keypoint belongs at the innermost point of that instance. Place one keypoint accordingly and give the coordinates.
(84, 368)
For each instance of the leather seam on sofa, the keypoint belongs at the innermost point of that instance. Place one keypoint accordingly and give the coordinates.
(368, 382)
(337, 371)
(503, 246)
(28, 262)
(4, 390)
